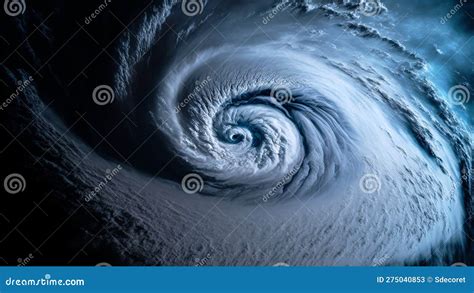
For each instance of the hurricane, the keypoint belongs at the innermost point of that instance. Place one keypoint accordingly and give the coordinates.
(252, 133)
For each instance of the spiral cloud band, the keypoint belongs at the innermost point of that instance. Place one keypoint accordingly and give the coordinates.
(363, 135)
